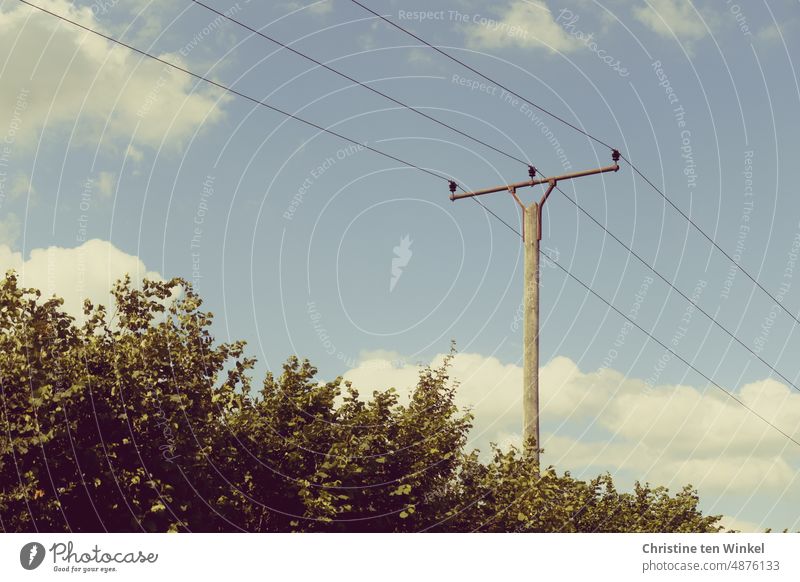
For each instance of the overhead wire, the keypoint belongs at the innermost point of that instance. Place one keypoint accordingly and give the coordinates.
(257, 102)
(650, 335)
(463, 133)
(594, 138)
(356, 81)
(414, 166)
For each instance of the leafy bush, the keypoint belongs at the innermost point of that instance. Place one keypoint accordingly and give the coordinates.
(139, 421)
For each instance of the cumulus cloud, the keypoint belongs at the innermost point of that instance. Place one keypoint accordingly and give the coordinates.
(668, 434)
(106, 183)
(744, 526)
(487, 386)
(84, 272)
(10, 228)
(779, 31)
(77, 79)
(21, 187)
(316, 7)
(672, 17)
(522, 24)
(134, 154)
(420, 57)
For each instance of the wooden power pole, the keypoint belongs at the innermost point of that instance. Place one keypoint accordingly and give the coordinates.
(531, 236)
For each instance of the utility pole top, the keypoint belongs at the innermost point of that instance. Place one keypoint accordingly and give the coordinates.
(534, 181)
(531, 235)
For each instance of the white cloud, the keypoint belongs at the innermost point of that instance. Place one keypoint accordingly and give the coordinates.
(21, 187)
(420, 57)
(779, 31)
(729, 522)
(523, 24)
(729, 474)
(88, 271)
(486, 385)
(321, 7)
(58, 75)
(670, 435)
(10, 228)
(106, 183)
(316, 7)
(672, 17)
(770, 33)
(134, 154)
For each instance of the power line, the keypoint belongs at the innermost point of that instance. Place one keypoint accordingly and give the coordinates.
(663, 345)
(593, 138)
(409, 164)
(238, 93)
(514, 230)
(711, 240)
(356, 81)
(462, 133)
(377, 92)
(257, 102)
(477, 72)
(678, 291)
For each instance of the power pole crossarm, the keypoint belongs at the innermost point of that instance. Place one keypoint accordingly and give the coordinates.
(531, 235)
(536, 181)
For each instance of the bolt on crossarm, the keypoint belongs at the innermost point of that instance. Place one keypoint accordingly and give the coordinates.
(531, 236)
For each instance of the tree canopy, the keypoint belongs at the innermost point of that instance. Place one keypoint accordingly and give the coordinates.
(137, 420)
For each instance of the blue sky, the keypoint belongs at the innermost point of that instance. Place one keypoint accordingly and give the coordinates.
(290, 234)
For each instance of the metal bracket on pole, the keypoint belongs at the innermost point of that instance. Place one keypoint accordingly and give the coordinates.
(550, 186)
(513, 192)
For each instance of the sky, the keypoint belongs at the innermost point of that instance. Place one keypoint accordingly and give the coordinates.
(301, 242)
